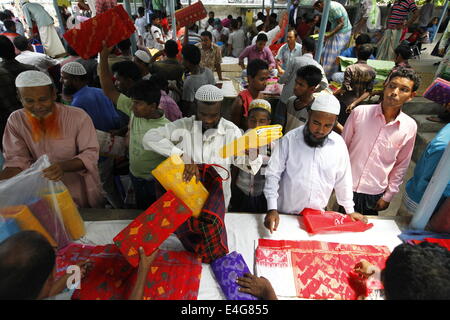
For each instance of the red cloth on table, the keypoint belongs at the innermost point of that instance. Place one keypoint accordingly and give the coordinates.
(206, 235)
(442, 242)
(113, 26)
(316, 221)
(174, 275)
(152, 227)
(190, 14)
(71, 255)
(321, 270)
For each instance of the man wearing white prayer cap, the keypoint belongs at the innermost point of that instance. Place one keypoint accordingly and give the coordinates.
(65, 134)
(142, 59)
(307, 164)
(199, 138)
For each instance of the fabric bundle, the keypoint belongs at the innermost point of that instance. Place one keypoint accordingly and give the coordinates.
(190, 14)
(110, 145)
(314, 269)
(317, 221)
(206, 235)
(226, 270)
(152, 227)
(255, 138)
(26, 220)
(438, 91)
(112, 26)
(69, 212)
(382, 67)
(174, 275)
(169, 173)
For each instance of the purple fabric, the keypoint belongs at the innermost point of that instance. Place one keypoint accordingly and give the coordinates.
(50, 221)
(227, 269)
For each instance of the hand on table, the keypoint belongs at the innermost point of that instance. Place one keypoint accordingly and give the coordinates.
(272, 220)
(358, 217)
(258, 286)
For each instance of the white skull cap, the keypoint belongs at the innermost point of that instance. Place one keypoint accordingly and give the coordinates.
(143, 56)
(326, 103)
(74, 68)
(209, 93)
(32, 78)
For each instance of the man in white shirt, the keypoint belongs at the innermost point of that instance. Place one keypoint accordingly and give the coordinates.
(199, 138)
(307, 164)
(141, 22)
(220, 33)
(27, 55)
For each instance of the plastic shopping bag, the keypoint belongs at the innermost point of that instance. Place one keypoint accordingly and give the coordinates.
(36, 203)
(316, 221)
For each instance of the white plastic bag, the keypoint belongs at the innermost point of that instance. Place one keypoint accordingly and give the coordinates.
(36, 203)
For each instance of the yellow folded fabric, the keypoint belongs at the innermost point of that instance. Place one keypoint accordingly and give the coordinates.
(26, 220)
(255, 138)
(170, 174)
(70, 215)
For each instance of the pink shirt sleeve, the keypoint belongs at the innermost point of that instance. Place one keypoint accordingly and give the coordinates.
(87, 144)
(15, 149)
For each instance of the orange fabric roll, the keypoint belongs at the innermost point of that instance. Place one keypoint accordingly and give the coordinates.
(26, 220)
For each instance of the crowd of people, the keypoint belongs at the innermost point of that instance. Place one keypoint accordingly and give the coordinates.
(163, 99)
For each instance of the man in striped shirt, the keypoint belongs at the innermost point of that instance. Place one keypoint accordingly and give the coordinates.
(397, 21)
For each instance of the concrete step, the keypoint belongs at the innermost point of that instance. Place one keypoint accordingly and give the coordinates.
(424, 125)
(421, 105)
(422, 140)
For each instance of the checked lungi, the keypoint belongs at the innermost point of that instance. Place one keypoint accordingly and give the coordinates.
(332, 49)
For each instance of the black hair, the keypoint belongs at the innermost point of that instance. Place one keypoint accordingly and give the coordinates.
(159, 80)
(274, 16)
(8, 24)
(405, 72)
(127, 69)
(362, 39)
(192, 54)
(71, 51)
(3, 16)
(234, 23)
(417, 272)
(141, 11)
(171, 48)
(27, 260)
(230, 16)
(365, 51)
(206, 34)
(145, 90)
(124, 45)
(308, 17)
(21, 43)
(404, 51)
(294, 31)
(309, 44)
(7, 50)
(9, 13)
(262, 37)
(211, 21)
(259, 109)
(311, 74)
(255, 65)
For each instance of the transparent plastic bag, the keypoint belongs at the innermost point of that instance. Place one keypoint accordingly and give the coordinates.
(36, 203)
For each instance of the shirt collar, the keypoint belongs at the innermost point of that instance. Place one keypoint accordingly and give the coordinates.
(308, 55)
(397, 120)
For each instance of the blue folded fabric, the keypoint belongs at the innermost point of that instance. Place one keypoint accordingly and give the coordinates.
(412, 234)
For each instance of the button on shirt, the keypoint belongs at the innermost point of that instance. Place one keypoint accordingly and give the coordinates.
(286, 55)
(299, 177)
(252, 53)
(185, 136)
(380, 152)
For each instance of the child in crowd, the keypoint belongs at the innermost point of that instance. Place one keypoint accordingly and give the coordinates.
(257, 75)
(247, 191)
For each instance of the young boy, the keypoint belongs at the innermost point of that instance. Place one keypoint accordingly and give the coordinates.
(257, 75)
(247, 192)
(141, 105)
(308, 78)
(154, 38)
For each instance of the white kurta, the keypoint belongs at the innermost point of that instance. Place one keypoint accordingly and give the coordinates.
(184, 137)
(299, 177)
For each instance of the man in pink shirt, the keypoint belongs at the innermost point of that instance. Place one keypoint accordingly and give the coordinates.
(380, 140)
(258, 51)
(66, 134)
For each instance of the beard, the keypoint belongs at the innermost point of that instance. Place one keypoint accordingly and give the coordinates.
(46, 127)
(311, 140)
(69, 90)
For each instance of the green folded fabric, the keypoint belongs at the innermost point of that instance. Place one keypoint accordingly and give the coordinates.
(382, 67)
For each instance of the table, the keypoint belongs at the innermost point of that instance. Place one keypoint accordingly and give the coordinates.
(243, 231)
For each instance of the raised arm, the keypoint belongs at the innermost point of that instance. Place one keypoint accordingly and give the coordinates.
(108, 87)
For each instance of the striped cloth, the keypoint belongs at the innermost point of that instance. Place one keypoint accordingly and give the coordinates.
(400, 12)
(333, 47)
(388, 43)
